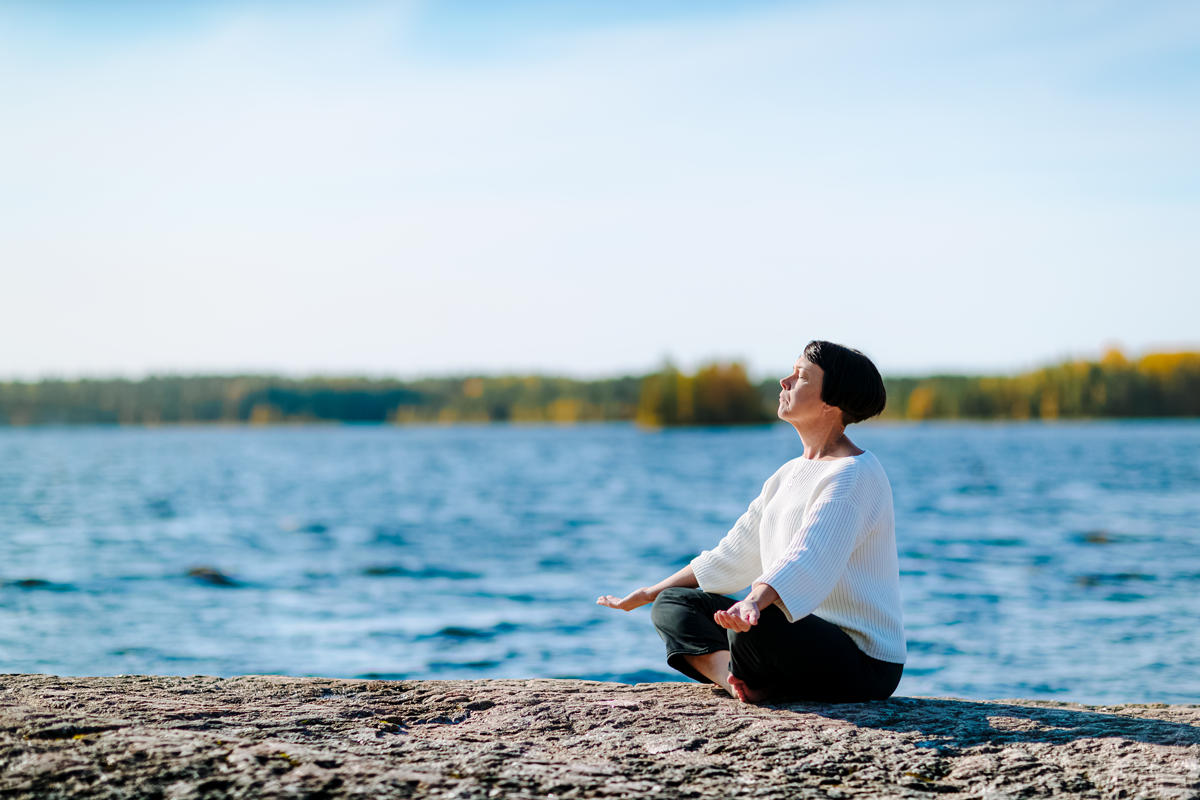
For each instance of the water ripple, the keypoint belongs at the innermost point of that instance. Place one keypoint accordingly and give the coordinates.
(1036, 560)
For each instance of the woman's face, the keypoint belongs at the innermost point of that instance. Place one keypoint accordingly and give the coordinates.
(800, 400)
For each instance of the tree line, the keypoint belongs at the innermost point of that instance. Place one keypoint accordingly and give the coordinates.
(1155, 385)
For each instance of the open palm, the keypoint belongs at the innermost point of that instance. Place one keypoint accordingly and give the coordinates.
(639, 598)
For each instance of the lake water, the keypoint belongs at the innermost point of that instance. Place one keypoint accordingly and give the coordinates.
(1041, 561)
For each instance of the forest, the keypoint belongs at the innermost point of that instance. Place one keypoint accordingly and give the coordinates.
(1152, 385)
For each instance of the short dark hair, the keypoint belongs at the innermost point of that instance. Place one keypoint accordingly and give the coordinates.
(852, 383)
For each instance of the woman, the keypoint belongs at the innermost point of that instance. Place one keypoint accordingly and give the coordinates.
(818, 549)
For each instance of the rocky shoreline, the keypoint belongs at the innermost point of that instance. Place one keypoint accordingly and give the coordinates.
(269, 737)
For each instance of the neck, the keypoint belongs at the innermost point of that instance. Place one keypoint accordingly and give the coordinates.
(823, 440)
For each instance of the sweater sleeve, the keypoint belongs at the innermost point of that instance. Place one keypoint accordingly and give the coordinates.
(817, 556)
(735, 561)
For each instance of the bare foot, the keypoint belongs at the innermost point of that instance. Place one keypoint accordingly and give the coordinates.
(714, 666)
(745, 693)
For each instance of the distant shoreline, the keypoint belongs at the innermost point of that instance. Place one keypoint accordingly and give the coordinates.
(1158, 385)
(334, 424)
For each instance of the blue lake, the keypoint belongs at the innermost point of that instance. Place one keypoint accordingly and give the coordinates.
(1043, 561)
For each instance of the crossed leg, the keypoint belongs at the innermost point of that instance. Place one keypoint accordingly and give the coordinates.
(810, 658)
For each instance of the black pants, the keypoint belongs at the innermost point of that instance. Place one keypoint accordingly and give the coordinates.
(809, 659)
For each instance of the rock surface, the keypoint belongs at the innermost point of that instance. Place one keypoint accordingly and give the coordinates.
(201, 737)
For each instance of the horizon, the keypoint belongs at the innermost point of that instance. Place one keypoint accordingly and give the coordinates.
(525, 188)
(754, 377)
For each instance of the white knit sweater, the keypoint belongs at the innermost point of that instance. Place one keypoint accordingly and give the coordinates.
(823, 535)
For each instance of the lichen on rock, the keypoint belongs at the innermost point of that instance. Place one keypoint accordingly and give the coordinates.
(267, 737)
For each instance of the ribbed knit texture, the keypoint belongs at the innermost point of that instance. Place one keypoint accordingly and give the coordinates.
(823, 535)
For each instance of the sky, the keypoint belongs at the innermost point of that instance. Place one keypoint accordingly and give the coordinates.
(589, 189)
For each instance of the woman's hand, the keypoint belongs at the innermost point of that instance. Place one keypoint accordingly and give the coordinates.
(741, 616)
(744, 614)
(645, 596)
(641, 597)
